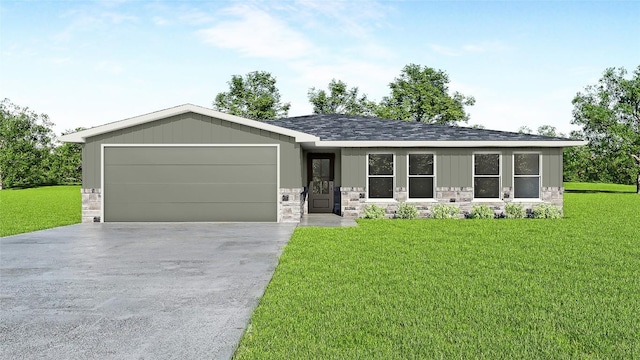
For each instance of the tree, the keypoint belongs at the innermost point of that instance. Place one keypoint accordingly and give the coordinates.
(341, 100)
(25, 146)
(525, 130)
(255, 97)
(422, 94)
(609, 113)
(549, 130)
(65, 162)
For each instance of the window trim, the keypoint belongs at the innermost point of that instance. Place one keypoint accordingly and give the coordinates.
(473, 176)
(513, 176)
(409, 176)
(367, 187)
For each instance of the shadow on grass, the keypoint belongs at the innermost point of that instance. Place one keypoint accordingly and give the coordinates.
(599, 191)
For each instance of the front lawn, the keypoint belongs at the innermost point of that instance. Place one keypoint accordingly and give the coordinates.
(459, 289)
(38, 208)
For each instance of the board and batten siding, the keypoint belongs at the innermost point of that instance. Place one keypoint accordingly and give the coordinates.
(193, 128)
(454, 166)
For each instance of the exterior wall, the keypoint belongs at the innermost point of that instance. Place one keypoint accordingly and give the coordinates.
(91, 205)
(188, 129)
(453, 176)
(192, 129)
(292, 205)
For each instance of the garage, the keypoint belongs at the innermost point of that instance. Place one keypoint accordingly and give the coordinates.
(190, 182)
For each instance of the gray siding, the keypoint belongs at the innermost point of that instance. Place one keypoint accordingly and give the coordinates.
(453, 165)
(193, 129)
(190, 183)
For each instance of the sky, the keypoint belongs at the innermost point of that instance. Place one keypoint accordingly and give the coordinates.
(87, 63)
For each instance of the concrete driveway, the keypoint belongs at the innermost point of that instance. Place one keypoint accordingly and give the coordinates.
(134, 291)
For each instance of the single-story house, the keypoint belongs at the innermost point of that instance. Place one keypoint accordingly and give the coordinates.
(190, 163)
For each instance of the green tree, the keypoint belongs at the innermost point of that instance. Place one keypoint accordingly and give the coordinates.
(25, 146)
(341, 100)
(66, 161)
(549, 130)
(254, 96)
(422, 94)
(609, 113)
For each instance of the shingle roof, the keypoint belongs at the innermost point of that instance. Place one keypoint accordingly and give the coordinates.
(334, 127)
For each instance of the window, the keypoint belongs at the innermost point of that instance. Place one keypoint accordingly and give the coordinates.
(380, 176)
(486, 176)
(526, 176)
(421, 174)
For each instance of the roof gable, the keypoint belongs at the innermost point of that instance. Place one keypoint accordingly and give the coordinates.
(81, 136)
(335, 130)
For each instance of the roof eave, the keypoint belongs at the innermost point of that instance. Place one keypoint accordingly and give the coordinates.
(81, 136)
(453, 143)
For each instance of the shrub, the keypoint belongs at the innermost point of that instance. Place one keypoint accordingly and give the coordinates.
(546, 211)
(442, 211)
(373, 212)
(514, 211)
(406, 211)
(481, 212)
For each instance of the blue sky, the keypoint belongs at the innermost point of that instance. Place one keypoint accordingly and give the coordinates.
(88, 63)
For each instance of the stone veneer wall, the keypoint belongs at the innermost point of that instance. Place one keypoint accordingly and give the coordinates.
(292, 204)
(91, 205)
(353, 200)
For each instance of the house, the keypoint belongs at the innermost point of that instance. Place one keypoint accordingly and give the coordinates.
(190, 163)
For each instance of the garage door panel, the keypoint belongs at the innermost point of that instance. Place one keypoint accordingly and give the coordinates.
(190, 155)
(192, 212)
(190, 183)
(185, 174)
(194, 193)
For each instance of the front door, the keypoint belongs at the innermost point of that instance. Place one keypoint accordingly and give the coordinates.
(320, 175)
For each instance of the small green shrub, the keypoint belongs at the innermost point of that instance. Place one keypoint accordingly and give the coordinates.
(406, 211)
(442, 211)
(514, 211)
(546, 211)
(481, 212)
(373, 212)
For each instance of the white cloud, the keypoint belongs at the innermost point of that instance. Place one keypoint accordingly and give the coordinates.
(256, 33)
(196, 17)
(159, 20)
(349, 18)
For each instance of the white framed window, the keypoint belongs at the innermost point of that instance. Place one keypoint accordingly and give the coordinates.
(421, 175)
(526, 175)
(487, 175)
(380, 175)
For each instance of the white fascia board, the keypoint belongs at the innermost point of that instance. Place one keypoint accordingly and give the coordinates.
(451, 144)
(81, 136)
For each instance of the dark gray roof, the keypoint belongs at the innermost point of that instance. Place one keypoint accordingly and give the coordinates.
(335, 127)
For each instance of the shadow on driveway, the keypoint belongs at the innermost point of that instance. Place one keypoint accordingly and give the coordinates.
(133, 290)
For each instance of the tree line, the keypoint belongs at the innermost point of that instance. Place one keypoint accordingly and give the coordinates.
(419, 93)
(29, 153)
(607, 112)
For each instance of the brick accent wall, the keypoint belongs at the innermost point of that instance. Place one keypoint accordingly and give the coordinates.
(353, 200)
(292, 204)
(91, 205)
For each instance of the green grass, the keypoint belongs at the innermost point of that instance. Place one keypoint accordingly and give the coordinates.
(39, 208)
(596, 187)
(457, 289)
